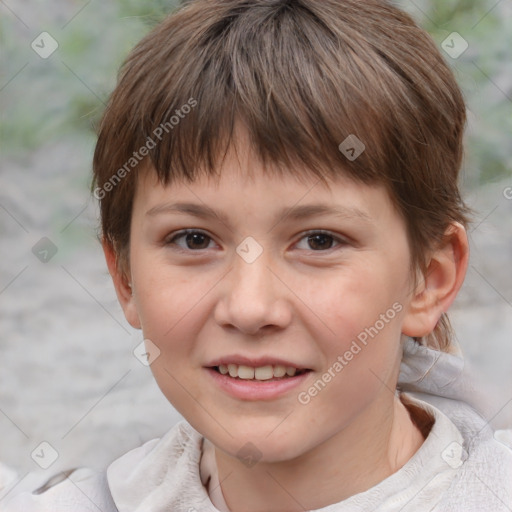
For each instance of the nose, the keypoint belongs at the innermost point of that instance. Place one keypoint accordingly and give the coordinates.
(254, 298)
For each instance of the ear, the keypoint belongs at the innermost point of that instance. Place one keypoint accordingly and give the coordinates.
(437, 290)
(122, 285)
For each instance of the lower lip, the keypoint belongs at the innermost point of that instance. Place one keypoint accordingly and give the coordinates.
(256, 389)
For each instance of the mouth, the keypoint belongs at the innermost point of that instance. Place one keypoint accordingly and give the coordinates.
(261, 373)
(257, 383)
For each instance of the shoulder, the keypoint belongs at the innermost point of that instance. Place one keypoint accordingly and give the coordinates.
(82, 489)
(474, 462)
(180, 444)
(483, 482)
(161, 472)
(124, 483)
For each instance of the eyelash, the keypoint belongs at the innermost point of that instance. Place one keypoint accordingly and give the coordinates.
(171, 240)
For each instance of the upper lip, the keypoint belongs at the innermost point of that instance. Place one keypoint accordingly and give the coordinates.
(255, 362)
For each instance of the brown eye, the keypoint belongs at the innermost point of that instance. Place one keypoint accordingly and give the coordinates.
(194, 240)
(321, 241)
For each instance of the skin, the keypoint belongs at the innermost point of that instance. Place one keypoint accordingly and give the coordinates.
(302, 299)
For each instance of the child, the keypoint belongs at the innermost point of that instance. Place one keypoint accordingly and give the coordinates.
(311, 148)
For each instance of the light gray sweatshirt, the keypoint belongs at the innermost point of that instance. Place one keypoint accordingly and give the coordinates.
(460, 467)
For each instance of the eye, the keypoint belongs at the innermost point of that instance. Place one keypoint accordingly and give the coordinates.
(194, 240)
(321, 240)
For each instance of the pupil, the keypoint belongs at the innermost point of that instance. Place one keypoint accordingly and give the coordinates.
(194, 238)
(322, 239)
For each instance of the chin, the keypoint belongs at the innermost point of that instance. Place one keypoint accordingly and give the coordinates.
(261, 447)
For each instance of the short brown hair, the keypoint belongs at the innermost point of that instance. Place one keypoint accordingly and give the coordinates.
(302, 76)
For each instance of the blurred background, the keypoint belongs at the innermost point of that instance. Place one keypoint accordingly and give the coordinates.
(68, 375)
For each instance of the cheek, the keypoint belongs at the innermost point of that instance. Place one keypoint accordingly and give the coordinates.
(165, 294)
(358, 332)
(170, 307)
(170, 303)
(354, 300)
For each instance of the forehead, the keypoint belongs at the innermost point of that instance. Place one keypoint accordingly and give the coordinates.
(244, 189)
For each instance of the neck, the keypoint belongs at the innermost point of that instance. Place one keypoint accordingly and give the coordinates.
(352, 461)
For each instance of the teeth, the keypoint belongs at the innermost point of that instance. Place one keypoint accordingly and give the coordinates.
(290, 370)
(279, 371)
(264, 373)
(260, 373)
(246, 372)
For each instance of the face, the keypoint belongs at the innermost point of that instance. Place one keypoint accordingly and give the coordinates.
(288, 273)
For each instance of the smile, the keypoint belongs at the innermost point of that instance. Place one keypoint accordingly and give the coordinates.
(254, 388)
(262, 373)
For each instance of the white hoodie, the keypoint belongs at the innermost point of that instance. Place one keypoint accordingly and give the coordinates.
(460, 467)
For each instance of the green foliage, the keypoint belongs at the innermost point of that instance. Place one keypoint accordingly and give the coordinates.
(65, 94)
(484, 73)
(148, 14)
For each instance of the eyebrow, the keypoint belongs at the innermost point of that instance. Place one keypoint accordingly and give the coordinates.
(292, 212)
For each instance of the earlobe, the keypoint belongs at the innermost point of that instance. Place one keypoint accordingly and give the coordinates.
(122, 286)
(437, 290)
